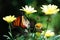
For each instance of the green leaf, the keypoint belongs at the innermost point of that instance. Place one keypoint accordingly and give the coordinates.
(7, 36)
(20, 38)
(57, 37)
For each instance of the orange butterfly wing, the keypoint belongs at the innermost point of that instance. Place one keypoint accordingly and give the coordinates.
(19, 22)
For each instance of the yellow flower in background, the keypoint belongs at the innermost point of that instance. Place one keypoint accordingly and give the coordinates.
(28, 9)
(49, 33)
(49, 9)
(9, 18)
(38, 26)
(38, 34)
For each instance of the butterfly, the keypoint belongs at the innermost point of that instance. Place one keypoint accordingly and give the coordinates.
(22, 22)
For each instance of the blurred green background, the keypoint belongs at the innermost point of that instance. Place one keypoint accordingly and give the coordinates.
(40, 17)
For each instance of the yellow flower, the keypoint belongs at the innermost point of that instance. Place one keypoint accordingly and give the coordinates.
(28, 9)
(38, 26)
(9, 18)
(49, 33)
(49, 9)
(38, 34)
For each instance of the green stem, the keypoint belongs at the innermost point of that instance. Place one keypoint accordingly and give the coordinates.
(47, 25)
(10, 31)
(33, 30)
(48, 20)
